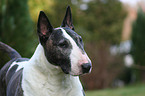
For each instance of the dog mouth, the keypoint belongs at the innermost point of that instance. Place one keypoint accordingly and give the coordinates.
(84, 70)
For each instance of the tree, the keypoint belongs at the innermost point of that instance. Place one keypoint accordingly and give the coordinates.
(138, 42)
(102, 21)
(16, 27)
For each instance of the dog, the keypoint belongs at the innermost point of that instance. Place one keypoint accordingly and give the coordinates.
(55, 66)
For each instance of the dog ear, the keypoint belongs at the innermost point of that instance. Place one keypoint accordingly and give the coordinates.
(44, 28)
(67, 21)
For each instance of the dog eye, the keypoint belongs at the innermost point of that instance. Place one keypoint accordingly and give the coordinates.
(80, 39)
(63, 44)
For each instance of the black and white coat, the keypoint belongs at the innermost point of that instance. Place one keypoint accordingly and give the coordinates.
(55, 66)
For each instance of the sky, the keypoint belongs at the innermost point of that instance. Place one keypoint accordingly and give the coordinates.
(131, 2)
(84, 6)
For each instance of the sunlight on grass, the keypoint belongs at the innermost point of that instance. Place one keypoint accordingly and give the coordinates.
(135, 90)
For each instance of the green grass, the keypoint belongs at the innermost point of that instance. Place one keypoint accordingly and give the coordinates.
(133, 90)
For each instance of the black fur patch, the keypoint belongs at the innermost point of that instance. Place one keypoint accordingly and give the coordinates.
(3, 72)
(14, 86)
(57, 50)
(10, 73)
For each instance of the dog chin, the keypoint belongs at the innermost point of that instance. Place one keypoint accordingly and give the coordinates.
(79, 73)
(76, 74)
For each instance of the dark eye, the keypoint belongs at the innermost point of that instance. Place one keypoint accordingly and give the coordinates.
(63, 44)
(80, 39)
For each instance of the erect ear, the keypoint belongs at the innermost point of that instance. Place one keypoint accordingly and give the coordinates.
(44, 28)
(67, 21)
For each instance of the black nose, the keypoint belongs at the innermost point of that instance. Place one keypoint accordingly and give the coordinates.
(86, 67)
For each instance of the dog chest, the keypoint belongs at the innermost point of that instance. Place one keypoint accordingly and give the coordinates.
(37, 84)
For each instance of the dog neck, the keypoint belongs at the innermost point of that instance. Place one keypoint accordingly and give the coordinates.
(42, 64)
(48, 78)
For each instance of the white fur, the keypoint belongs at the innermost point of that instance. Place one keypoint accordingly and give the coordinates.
(76, 56)
(40, 78)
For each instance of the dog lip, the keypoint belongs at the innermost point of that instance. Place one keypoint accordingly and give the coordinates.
(80, 74)
(77, 74)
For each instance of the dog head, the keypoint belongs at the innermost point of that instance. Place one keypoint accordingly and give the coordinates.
(63, 47)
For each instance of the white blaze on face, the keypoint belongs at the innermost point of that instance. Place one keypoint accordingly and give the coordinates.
(77, 57)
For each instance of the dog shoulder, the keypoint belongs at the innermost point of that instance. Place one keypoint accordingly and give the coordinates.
(8, 75)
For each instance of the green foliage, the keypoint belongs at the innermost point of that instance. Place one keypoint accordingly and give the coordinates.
(35, 6)
(101, 21)
(54, 9)
(138, 43)
(104, 19)
(16, 26)
(138, 39)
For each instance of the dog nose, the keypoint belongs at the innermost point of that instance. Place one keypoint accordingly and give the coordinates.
(86, 67)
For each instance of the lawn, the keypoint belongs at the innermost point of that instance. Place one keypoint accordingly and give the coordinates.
(133, 90)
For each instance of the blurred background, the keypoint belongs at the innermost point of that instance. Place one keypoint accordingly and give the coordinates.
(113, 32)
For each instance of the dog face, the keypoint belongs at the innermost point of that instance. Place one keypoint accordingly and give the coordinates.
(62, 46)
